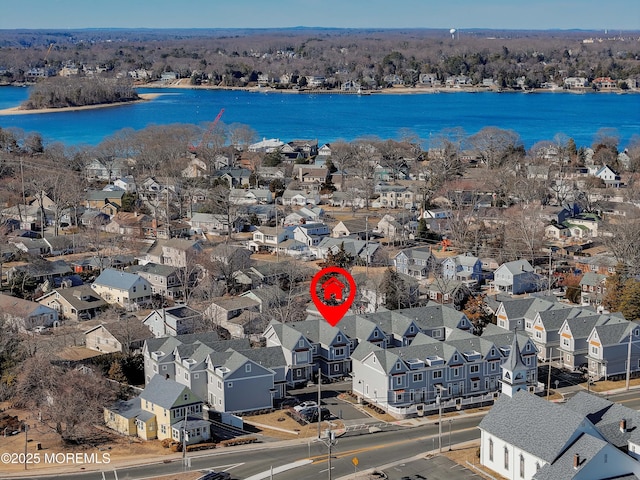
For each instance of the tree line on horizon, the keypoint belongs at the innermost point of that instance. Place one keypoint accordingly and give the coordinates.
(339, 55)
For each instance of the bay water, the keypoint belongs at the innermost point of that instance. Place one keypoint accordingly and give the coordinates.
(330, 117)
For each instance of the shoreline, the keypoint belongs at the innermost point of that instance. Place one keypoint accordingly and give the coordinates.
(183, 84)
(144, 97)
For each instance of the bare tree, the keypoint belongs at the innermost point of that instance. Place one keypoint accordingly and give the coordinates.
(622, 240)
(496, 146)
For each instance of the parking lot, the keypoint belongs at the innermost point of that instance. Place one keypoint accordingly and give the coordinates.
(338, 408)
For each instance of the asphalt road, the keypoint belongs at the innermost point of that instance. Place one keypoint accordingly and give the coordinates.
(372, 450)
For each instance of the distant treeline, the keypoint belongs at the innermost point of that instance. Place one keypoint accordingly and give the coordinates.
(61, 92)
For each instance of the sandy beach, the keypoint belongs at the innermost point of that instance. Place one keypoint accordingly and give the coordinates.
(21, 111)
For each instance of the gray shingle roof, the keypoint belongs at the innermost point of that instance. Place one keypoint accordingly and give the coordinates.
(606, 416)
(586, 447)
(116, 279)
(533, 414)
(163, 392)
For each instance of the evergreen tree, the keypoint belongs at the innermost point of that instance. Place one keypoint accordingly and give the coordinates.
(341, 258)
(630, 300)
(614, 286)
(394, 290)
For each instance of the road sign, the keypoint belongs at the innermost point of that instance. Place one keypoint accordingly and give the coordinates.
(355, 462)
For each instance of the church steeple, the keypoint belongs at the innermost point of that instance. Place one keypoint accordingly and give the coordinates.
(514, 370)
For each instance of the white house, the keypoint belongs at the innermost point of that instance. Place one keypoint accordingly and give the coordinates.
(122, 288)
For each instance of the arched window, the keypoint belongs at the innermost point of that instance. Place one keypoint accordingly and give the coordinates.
(490, 450)
(521, 466)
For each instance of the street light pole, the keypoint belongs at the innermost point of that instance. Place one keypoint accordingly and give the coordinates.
(319, 399)
(439, 400)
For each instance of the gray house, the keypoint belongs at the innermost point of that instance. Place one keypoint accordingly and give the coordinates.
(178, 320)
(297, 350)
(609, 347)
(463, 370)
(517, 277)
(416, 262)
(573, 348)
(237, 384)
(331, 347)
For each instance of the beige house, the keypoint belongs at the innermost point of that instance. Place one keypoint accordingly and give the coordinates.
(175, 252)
(26, 314)
(125, 336)
(164, 410)
(75, 303)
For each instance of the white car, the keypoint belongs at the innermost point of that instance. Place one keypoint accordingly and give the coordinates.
(303, 405)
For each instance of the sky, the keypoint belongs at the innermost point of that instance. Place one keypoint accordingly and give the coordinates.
(612, 15)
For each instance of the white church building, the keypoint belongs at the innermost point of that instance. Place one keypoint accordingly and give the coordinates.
(527, 437)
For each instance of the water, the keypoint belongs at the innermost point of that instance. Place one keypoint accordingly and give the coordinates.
(331, 117)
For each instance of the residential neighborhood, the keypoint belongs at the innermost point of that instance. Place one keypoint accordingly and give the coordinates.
(155, 290)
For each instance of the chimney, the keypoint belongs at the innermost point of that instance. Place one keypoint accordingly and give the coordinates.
(623, 425)
(576, 461)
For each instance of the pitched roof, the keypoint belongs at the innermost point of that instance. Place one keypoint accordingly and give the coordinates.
(533, 414)
(117, 279)
(19, 307)
(163, 391)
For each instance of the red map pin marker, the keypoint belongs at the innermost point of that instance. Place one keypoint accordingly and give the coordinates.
(333, 300)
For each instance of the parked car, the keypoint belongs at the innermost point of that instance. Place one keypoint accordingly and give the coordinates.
(289, 402)
(311, 414)
(304, 405)
(42, 330)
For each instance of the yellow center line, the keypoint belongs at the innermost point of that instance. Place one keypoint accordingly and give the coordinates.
(323, 458)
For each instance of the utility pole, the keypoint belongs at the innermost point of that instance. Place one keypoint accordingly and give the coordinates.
(439, 400)
(549, 280)
(366, 229)
(26, 429)
(319, 398)
(549, 373)
(628, 362)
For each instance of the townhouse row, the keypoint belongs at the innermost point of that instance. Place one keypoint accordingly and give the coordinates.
(578, 338)
(399, 360)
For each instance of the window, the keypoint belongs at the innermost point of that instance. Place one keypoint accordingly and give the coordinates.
(594, 350)
(417, 377)
(491, 450)
(229, 384)
(164, 367)
(474, 368)
(506, 458)
(338, 352)
(247, 368)
(455, 371)
(336, 367)
(437, 374)
(522, 465)
(185, 397)
(134, 289)
(398, 380)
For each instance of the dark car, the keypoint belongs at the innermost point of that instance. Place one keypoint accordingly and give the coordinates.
(311, 414)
